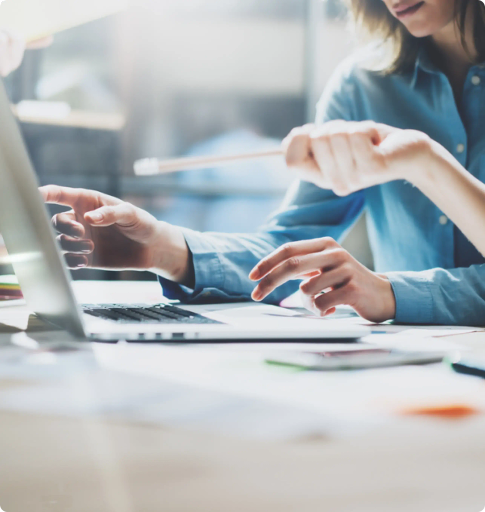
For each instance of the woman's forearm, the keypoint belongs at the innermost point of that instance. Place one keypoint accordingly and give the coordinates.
(457, 193)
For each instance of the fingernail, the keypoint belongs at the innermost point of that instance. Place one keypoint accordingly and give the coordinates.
(97, 217)
(254, 274)
(257, 295)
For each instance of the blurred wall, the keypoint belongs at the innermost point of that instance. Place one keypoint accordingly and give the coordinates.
(181, 76)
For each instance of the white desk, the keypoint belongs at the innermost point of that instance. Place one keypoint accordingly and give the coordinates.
(81, 431)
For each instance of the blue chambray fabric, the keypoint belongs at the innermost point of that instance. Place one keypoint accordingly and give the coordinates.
(437, 276)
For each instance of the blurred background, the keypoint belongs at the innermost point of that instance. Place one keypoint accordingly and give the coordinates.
(168, 78)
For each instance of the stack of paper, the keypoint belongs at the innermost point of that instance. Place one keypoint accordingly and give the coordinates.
(35, 19)
(9, 288)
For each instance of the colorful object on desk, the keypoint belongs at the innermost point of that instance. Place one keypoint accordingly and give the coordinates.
(452, 411)
(9, 288)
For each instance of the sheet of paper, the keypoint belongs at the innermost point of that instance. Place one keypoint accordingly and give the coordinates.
(415, 343)
(72, 386)
(353, 400)
(11, 303)
(440, 332)
(8, 279)
(35, 19)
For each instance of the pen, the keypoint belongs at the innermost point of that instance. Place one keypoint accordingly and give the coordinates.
(154, 166)
(468, 365)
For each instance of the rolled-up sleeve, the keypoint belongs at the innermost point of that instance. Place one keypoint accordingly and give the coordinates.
(440, 297)
(222, 263)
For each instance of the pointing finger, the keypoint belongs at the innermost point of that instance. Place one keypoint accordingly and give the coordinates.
(124, 214)
(65, 196)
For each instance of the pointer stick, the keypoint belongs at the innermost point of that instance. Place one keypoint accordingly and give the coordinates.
(153, 166)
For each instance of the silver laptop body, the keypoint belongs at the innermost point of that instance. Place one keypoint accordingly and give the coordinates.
(46, 284)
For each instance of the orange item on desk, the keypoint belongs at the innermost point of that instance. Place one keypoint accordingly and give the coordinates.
(455, 411)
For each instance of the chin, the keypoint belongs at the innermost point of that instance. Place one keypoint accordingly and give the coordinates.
(420, 34)
(421, 30)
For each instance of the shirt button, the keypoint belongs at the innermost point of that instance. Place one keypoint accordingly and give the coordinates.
(460, 148)
(443, 220)
(476, 80)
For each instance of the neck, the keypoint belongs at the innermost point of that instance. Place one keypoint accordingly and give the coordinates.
(449, 46)
(452, 56)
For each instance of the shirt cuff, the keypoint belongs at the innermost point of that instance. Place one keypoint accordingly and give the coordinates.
(414, 298)
(208, 271)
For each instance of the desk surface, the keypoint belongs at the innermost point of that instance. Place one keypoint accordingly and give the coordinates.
(123, 428)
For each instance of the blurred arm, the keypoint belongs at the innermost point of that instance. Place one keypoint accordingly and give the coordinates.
(457, 193)
(12, 48)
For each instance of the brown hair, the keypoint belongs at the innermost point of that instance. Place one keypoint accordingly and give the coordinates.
(374, 21)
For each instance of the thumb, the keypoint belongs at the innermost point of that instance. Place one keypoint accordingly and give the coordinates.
(384, 131)
(123, 214)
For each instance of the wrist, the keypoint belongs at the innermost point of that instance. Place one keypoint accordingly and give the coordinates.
(388, 300)
(170, 254)
(433, 157)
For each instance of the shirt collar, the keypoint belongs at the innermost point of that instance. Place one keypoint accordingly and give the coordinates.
(424, 63)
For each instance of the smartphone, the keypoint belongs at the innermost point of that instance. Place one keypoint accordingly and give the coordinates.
(353, 359)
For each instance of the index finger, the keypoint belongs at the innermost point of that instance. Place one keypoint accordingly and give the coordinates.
(64, 196)
(287, 251)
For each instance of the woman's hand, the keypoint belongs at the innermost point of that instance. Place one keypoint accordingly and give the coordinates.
(327, 268)
(347, 156)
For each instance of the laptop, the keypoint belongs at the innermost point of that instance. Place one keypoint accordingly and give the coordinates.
(46, 284)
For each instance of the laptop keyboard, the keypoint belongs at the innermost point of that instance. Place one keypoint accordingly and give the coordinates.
(145, 314)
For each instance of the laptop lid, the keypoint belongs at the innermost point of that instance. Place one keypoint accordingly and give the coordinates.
(28, 234)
